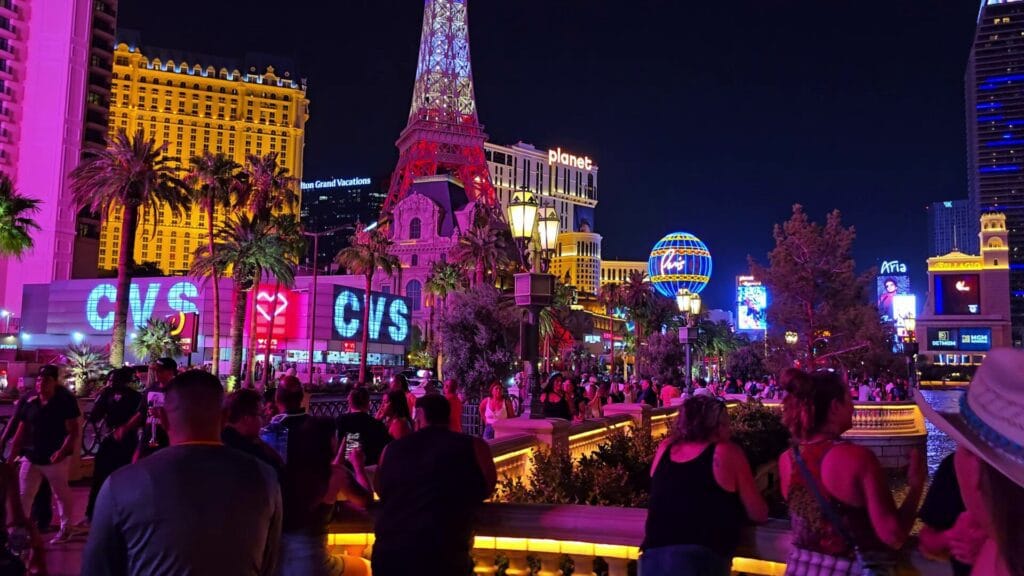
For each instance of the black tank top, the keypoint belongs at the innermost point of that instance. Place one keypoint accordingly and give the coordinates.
(687, 506)
(558, 409)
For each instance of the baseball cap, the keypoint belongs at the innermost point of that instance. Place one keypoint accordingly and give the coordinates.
(166, 364)
(50, 371)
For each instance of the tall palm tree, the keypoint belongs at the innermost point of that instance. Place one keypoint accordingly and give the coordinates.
(444, 279)
(134, 176)
(266, 188)
(367, 251)
(16, 223)
(293, 245)
(486, 246)
(638, 296)
(211, 180)
(250, 249)
(611, 296)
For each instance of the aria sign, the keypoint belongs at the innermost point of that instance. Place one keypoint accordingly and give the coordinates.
(892, 267)
(389, 319)
(565, 159)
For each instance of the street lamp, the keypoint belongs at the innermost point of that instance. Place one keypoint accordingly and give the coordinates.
(547, 231)
(792, 338)
(533, 291)
(522, 219)
(312, 310)
(689, 305)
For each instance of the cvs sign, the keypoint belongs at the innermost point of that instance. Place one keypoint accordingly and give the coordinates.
(390, 316)
(146, 298)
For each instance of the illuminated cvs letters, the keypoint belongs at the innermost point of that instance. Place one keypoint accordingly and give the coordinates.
(389, 320)
(144, 300)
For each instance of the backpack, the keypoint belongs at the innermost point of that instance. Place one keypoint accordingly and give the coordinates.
(275, 434)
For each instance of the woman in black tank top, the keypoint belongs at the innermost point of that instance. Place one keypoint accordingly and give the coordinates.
(702, 492)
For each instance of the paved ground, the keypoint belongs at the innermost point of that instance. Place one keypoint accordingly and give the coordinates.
(66, 559)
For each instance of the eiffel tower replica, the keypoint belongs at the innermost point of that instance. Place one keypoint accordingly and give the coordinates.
(444, 134)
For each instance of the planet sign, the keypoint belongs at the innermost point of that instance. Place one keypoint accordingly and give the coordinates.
(679, 260)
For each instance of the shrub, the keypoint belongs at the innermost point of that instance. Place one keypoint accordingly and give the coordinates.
(759, 430)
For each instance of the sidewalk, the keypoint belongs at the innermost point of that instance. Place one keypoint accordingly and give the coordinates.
(66, 559)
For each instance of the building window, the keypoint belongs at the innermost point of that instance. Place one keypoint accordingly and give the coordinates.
(413, 292)
(414, 260)
(415, 229)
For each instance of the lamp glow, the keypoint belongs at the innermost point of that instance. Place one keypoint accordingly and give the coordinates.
(522, 214)
(548, 228)
(792, 338)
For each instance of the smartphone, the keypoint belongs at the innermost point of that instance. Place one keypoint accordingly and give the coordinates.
(352, 442)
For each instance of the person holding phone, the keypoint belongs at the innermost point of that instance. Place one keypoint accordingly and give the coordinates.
(358, 426)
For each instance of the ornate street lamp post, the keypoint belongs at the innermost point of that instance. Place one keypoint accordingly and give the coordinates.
(533, 291)
(689, 305)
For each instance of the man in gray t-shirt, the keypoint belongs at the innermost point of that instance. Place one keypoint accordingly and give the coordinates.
(197, 507)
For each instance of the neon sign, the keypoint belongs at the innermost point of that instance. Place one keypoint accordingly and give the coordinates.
(389, 318)
(99, 305)
(276, 310)
(335, 183)
(565, 159)
(893, 267)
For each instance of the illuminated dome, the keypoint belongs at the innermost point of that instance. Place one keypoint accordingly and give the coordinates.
(679, 260)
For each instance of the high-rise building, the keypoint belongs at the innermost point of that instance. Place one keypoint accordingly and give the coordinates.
(338, 204)
(950, 228)
(197, 103)
(55, 60)
(995, 132)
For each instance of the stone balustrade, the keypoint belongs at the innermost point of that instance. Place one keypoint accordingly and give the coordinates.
(591, 537)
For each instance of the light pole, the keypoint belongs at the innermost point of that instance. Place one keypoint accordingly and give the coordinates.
(312, 310)
(533, 291)
(689, 304)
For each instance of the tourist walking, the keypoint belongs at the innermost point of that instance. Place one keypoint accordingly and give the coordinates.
(843, 515)
(430, 484)
(49, 431)
(494, 408)
(989, 460)
(698, 473)
(154, 435)
(396, 414)
(117, 406)
(196, 507)
(555, 405)
(314, 480)
(451, 393)
(359, 428)
(243, 412)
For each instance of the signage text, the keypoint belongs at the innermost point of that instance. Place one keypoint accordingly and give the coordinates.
(565, 159)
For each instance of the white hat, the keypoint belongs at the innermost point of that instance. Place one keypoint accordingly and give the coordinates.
(990, 421)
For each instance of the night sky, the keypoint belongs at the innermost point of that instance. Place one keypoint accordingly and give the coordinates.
(709, 117)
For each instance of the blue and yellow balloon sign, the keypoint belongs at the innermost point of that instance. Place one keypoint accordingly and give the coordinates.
(679, 260)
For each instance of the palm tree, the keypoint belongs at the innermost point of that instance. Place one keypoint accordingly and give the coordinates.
(133, 175)
(443, 280)
(367, 251)
(611, 296)
(265, 186)
(250, 249)
(638, 296)
(156, 340)
(211, 180)
(485, 246)
(84, 365)
(16, 223)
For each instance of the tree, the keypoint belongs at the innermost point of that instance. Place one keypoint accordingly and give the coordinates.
(265, 186)
(444, 279)
(748, 363)
(717, 340)
(817, 293)
(486, 247)
(638, 296)
(611, 297)
(211, 181)
(368, 251)
(16, 223)
(478, 334)
(250, 249)
(664, 356)
(85, 365)
(156, 340)
(134, 176)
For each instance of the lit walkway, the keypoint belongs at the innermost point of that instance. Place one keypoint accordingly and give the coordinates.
(66, 559)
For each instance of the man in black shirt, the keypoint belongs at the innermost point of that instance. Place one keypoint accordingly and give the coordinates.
(117, 406)
(154, 434)
(359, 427)
(42, 506)
(430, 483)
(243, 410)
(49, 430)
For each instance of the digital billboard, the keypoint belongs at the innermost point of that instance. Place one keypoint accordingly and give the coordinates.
(390, 316)
(889, 287)
(752, 306)
(904, 313)
(957, 294)
(88, 305)
(960, 339)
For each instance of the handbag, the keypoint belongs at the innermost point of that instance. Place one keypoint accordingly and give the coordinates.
(866, 566)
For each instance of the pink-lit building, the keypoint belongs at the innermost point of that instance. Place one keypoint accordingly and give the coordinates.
(55, 69)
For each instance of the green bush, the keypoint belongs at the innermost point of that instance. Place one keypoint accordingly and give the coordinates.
(759, 430)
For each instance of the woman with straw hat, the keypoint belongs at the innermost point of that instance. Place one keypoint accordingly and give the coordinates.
(989, 431)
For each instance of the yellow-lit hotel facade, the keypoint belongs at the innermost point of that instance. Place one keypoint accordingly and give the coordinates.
(194, 106)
